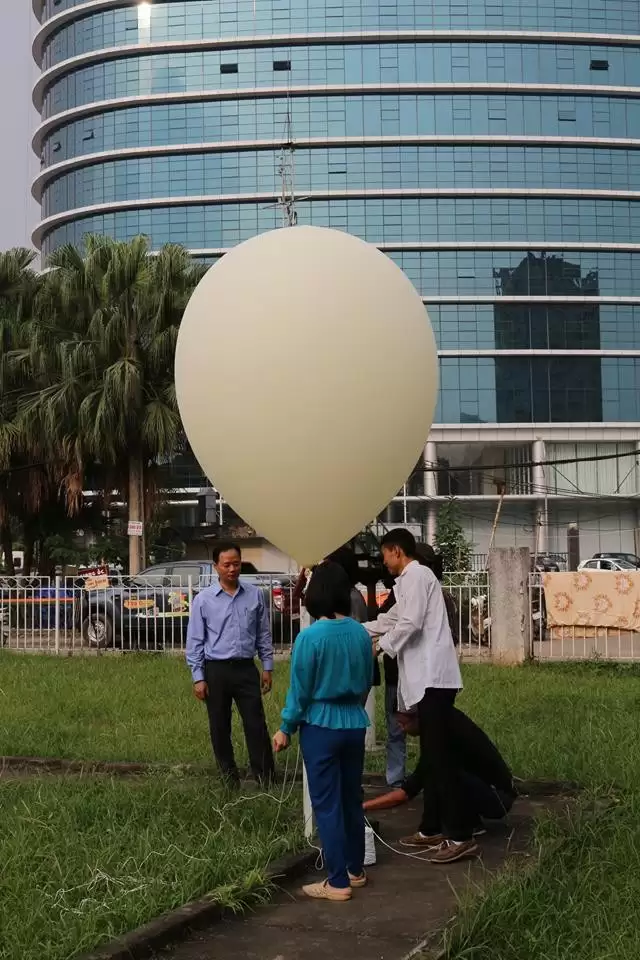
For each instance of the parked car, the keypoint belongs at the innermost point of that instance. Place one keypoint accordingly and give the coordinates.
(627, 557)
(545, 564)
(151, 610)
(609, 563)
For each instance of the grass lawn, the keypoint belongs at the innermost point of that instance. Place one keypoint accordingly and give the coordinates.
(581, 898)
(131, 707)
(564, 721)
(85, 859)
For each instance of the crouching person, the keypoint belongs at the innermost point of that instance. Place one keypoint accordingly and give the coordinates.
(480, 768)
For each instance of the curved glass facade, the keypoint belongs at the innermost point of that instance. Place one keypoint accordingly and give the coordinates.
(389, 115)
(377, 123)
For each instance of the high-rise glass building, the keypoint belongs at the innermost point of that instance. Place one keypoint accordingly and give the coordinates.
(490, 147)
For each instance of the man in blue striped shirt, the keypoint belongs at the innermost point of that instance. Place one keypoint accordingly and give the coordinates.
(229, 626)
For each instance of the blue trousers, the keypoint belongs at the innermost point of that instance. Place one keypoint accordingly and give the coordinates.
(396, 740)
(334, 760)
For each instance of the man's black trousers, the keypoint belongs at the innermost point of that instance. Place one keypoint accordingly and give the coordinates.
(238, 681)
(447, 807)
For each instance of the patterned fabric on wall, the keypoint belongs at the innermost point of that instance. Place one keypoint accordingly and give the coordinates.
(596, 598)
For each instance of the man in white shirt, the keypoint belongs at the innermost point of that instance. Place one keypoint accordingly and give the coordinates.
(416, 631)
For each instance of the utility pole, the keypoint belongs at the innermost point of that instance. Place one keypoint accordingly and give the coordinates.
(502, 489)
(573, 547)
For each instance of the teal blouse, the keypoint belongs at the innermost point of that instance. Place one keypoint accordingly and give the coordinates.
(331, 674)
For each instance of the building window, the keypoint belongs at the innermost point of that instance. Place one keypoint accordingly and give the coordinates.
(281, 66)
(599, 65)
(228, 68)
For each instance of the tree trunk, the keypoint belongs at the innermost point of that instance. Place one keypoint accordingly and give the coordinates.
(135, 512)
(46, 566)
(6, 539)
(29, 547)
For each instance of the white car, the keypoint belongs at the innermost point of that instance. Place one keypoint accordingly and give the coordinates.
(600, 563)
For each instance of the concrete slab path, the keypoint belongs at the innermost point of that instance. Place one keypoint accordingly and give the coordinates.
(406, 905)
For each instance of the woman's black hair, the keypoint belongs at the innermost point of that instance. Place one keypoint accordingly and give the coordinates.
(329, 592)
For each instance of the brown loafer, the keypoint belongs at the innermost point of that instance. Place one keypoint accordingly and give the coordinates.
(450, 851)
(418, 841)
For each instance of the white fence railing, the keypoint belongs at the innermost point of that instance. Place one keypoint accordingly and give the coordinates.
(66, 614)
(470, 593)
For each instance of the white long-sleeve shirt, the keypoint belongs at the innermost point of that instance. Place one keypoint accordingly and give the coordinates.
(416, 631)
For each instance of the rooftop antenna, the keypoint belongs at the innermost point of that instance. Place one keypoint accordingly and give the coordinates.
(286, 202)
(287, 174)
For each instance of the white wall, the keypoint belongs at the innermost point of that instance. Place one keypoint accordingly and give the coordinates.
(515, 526)
(264, 556)
(603, 524)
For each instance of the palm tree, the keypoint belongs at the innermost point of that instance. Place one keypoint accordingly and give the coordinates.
(106, 336)
(19, 480)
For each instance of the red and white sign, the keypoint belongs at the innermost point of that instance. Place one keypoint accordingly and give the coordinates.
(134, 528)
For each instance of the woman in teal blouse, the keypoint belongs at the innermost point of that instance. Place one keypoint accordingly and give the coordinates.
(331, 672)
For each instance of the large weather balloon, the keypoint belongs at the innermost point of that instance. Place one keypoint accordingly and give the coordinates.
(306, 377)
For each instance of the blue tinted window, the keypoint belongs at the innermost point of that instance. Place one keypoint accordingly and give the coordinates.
(189, 19)
(379, 221)
(536, 326)
(338, 116)
(332, 64)
(404, 167)
(538, 389)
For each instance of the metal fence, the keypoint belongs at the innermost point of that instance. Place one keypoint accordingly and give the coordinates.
(575, 642)
(69, 614)
(470, 593)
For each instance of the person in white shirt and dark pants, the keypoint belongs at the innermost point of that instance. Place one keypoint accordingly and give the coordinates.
(416, 631)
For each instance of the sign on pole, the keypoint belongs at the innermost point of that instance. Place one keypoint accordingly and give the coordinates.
(134, 528)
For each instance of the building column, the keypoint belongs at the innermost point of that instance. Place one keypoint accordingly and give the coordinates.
(636, 532)
(431, 488)
(539, 481)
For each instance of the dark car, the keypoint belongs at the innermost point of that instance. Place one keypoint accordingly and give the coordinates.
(151, 610)
(546, 563)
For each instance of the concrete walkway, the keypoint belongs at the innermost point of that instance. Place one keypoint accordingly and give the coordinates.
(406, 905)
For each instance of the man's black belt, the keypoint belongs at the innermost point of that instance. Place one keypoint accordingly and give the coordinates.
(232, 660)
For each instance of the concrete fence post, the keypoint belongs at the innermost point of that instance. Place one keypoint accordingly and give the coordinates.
(509, 604)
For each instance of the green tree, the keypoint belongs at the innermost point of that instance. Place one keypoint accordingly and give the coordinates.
(450, 538)
(22, 479)
(105, 342)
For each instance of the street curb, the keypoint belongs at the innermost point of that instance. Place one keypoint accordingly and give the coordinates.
(125, 768)
(171, 927)
(537, 788)
(62, 765)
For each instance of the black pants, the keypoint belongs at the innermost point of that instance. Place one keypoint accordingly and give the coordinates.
(239, 681)
(447, 808)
